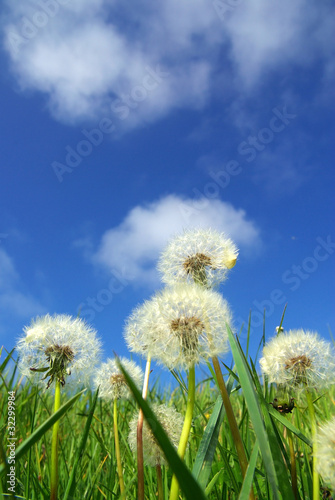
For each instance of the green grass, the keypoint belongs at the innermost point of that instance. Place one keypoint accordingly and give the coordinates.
(87, 462)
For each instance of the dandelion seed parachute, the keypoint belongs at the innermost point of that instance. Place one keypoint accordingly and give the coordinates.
(180, 326)
(325, 452)
(299, 358)
(172, 423)
(198, 255)
(66, 346)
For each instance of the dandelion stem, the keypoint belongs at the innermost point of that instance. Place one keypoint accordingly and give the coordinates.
(316, 482)
(242, 458)
(159, 482)
(54, 446)
(186, 428)
(140, 466)
(117, 452)
(293, 463)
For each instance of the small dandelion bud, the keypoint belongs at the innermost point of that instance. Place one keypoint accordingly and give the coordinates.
(59, 348)
(325, 452)
(200, 256)
(172, 423)
(180, 326)
(111, 382)
(299, 359)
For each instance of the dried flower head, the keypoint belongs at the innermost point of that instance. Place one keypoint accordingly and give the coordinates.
(198, 255)
(325, 452)
(172, 423)
(58, 347)
(180, 326)
(300, 359)
(112, 382)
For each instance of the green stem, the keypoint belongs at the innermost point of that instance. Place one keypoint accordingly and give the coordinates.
(186, 428)
(242, 458)
(160, 494)
(117, 452)
(293, 464)
(54, 446)
(140, 463)
(316, 482)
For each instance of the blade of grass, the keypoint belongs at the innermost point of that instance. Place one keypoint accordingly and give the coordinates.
(185, 479)
(248, 478)
(203, 461)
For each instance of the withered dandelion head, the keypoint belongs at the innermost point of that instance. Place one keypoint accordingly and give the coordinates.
(325, 452)
(180, 326)
(111, 382)
(200, 256)
(300, 359)
(172, 423)
(58, 348)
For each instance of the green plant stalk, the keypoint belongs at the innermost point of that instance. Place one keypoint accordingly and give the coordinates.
(160, 494)
(231, 417)
(186, 428)
(316, 482)
(293, 463)
(117, 451)
(54, 447)
(140, 463)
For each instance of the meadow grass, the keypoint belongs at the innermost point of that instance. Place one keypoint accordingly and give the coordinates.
(278, 445)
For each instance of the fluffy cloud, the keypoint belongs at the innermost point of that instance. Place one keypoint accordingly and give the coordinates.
(85, 54)
(132, 248)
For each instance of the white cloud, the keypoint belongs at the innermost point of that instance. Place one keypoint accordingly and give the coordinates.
(84, 54)
(133, 247)
(13, 300)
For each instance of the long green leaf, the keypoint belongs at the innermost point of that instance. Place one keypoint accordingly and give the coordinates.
(203, 462)
(258, 423)
(247, 482)
(42, 429)
(186, 481)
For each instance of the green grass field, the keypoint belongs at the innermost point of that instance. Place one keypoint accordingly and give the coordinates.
(275, 443)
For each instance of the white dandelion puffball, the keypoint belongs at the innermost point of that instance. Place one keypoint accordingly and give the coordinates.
(180, 326)
(198, 255)
(299, 358)
(111, 382)
(65, 347)
(325, 452)
(172, 423)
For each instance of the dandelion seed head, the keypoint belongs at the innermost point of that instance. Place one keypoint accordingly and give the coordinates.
(180, 326)
(198, 255)
(325, 452)
(66, 346)
(300, 359)
(111, 382)
(172, 423)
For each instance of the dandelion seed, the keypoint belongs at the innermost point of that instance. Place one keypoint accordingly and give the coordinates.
(325, 452)
(172, 423)
(59, 348)
(180, 326)
(111, 382)
(299, 359)
(198, 255)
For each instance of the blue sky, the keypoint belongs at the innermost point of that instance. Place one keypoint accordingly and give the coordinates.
(122, 125)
